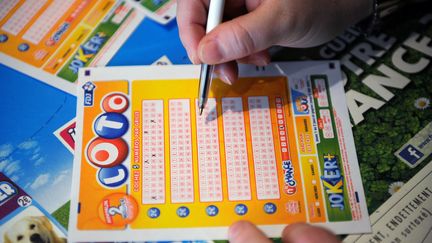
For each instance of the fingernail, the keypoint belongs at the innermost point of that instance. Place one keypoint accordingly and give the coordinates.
(225, 79)
(211, 52)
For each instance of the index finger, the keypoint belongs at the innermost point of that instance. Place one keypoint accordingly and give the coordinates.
(191, 20)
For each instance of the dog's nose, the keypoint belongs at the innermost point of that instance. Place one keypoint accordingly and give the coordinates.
(36, 238)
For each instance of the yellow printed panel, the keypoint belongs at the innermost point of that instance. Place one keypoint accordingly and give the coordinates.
(67, 49)
(78, 36)
(313, 189)
(305, 135)
(100, 10)
(289, 208)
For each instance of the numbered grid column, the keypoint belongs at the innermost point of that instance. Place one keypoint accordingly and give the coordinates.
(6, 6)
(22, 16)
(235, 149)
(180, 151)
(263, 148)
(210, 183)
(153, 161)
(47, 20)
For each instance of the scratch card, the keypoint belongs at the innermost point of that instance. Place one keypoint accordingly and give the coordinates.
(275, 148)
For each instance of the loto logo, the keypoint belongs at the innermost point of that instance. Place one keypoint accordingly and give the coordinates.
(332, 180)
(108, 150)
(290, 185)
(7, 191)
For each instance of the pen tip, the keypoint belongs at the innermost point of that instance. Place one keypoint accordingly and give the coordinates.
(201, 111)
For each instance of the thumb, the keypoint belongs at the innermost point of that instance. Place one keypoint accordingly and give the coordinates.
(242, 36)
(244, 231)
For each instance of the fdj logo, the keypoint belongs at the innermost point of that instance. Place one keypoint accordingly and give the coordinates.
(7, 191)
(332, 180)
(411, 154)
(108, 150)
(88, 93)
(87, 51)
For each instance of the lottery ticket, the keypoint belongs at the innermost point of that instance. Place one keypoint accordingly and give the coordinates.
(51, 39)
(161, 11)
(22, 219)
(274, 148)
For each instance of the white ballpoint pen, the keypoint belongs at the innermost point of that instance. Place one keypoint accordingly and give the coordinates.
(214, 18)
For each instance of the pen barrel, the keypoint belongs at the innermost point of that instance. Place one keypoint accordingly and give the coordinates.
(215, 14)
(204, 85)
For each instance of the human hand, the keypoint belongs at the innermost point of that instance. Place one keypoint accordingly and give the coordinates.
(252, 26)
(244, 231)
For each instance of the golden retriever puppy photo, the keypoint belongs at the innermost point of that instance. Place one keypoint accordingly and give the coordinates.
(32, 229)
